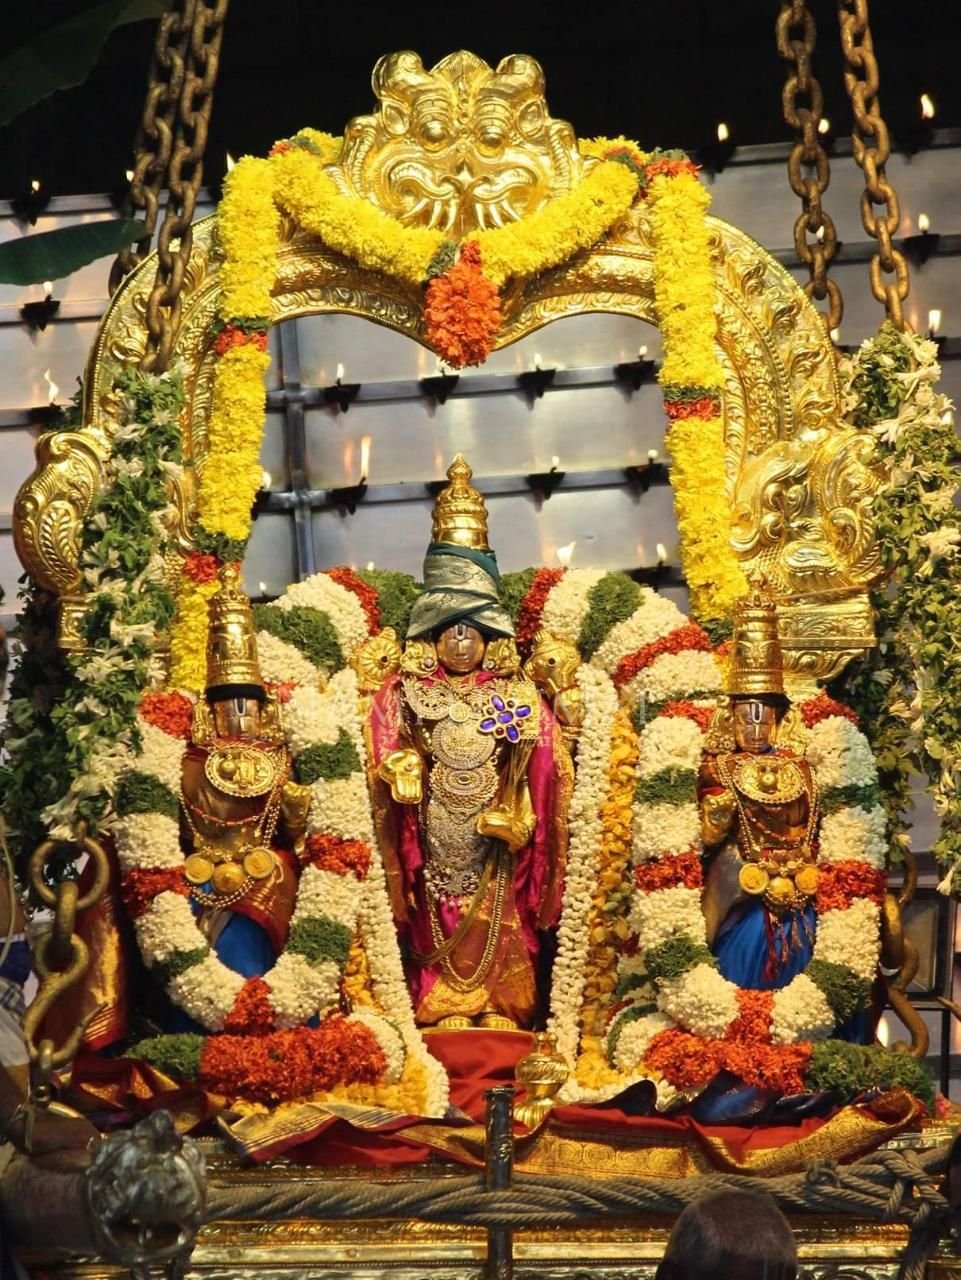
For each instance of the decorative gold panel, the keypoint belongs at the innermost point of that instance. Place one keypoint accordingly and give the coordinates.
(800, 481)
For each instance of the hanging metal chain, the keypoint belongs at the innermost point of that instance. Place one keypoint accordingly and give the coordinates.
(803, 104)
(872, 146)
(185, 174)
(154, 141)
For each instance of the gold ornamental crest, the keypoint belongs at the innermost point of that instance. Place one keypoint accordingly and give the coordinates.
(461, 147)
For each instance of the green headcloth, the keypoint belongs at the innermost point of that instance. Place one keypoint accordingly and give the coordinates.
(461, 577)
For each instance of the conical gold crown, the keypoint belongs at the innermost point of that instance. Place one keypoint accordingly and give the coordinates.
(231, 642)
(756, 664)
(460, 516)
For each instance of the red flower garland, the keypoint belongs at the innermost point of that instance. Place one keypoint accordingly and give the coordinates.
(252, 1013)
(282, 691)
(285, 1065)
(139, 888)
(684, 870)
(365, 594)
(690, 636)
(839, 883)
(820, 708)
(753, 1023)
(690, 711)
(331, 853)
(232, 335)
(171, 712)
(462, 311)
(706, 407)
(532, 607)
(200, 566)
(686, 1061)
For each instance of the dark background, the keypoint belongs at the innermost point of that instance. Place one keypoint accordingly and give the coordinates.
(661, 71)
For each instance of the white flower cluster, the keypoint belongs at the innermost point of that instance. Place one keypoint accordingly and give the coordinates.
(669, 742)
(283, 663)
(168, 926)
(661, 829)
(674, 675)
(107, 762)
(161, 755)
(299, 989)
(147, 842)
(567, 603)
(340, 807)
(840, 754)
(800, 1012)
(388, 1038)
(851, 937)
(325, 893)
(854, 833)
(341, 606)
(634, 1041)
(666, 913)
(206, 991)
(700, 1000)
(654, 617)
(586, 833)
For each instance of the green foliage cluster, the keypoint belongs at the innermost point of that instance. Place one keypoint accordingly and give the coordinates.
(63, 707)
(396, 593)
(908, 692)
(175, 1055)
(328, 760)
(674, 957)
(319, 938)
(863, 795)
(844, 1070)
(514, 587)
(143, 793)
(667, 786)
(844, 991)
(307, 629)
(611, 600)
(179, 962)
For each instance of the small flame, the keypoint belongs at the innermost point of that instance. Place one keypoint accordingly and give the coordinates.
(52, 387)
(365, 457)
(370, 566)
(35, 185)
(642, 353)
(265, 479)
(723, 132)
(652, 455)
(230, 162)
(537, 360)
(262, 588)
(883, 1032)
(927, 107)
(565, 554)
(835, 336)
(924, 223)
(128, 174)
(824, 125)
(661, 553)
(555, 462)
(340, 373)
(48, 288)
(934, 320)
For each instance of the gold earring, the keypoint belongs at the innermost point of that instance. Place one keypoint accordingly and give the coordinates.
(720, 729)
(419, 658)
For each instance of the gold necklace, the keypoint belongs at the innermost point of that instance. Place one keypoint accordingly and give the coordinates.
(233, 873)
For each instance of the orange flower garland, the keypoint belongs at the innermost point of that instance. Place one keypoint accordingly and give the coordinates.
(364, 593)
(462, 311)
(331, 853)
(684, 870)
(532, 607)
(840, 883)
(690, 636)
(171, 712)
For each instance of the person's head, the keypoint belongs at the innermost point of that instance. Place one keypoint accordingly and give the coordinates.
(730, 1235)
(460, 647)
(236, 710)
(756, 721)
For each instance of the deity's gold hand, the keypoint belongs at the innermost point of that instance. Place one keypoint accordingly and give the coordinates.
(403, 771)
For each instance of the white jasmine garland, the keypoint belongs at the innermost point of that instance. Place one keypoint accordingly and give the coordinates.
(167, 927)
(700, 1000)
(340, 807)
(850, 937)
(206, 992)
(161, 755)
(667, 913)
(299, 989)
(840, 754)
(654, 617)
(567, 603)
(341, 606)
(585, 828)
(327, 893)
(661, 829)
(855, 833)
(148, 842)
(800, 1012)
(669, 742)
(635, 1039)
(283, 663)
(310, 718)
(389, 1039)
(674, 675)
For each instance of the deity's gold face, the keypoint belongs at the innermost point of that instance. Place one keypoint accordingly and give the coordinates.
(755, 724)
(237, 717)
(460, 648)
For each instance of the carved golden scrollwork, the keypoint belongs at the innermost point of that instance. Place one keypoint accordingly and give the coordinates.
(461, 147)
(478, 144)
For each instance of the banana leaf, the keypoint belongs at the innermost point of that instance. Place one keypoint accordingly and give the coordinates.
(50, 255)
(64, 55)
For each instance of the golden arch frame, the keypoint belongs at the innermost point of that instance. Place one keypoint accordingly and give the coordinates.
(791, 465)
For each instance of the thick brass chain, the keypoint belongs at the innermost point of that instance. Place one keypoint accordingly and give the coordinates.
(809, 170)
(185, 174)
(872, 146)
(154, 141)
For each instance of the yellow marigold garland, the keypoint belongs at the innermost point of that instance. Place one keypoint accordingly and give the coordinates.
(188, 642)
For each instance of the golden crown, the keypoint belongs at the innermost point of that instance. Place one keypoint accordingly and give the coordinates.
(756, 665)
(460, 516)
(231, 642)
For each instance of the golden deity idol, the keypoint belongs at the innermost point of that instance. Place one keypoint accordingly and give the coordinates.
(759, 813)
(236, 791)
(473, 779)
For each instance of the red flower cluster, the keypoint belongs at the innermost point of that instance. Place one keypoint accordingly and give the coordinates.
(330, 853)
(279, 149)
(171, 712)
(285, 1065)
(670, 873)
(753, 1023)
(839, 883)
(200, 566)
(232, 335)
(365, 594)
(819, 708)
(462, 311)
(705, 407)
(667, 167)
(690, 636)
(532, 606)
(139, 888)
(686, 1061)
(700, 715)
(281, 691)
(252, 1014)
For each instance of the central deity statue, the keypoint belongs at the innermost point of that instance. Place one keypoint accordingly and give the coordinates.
(472, 784)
